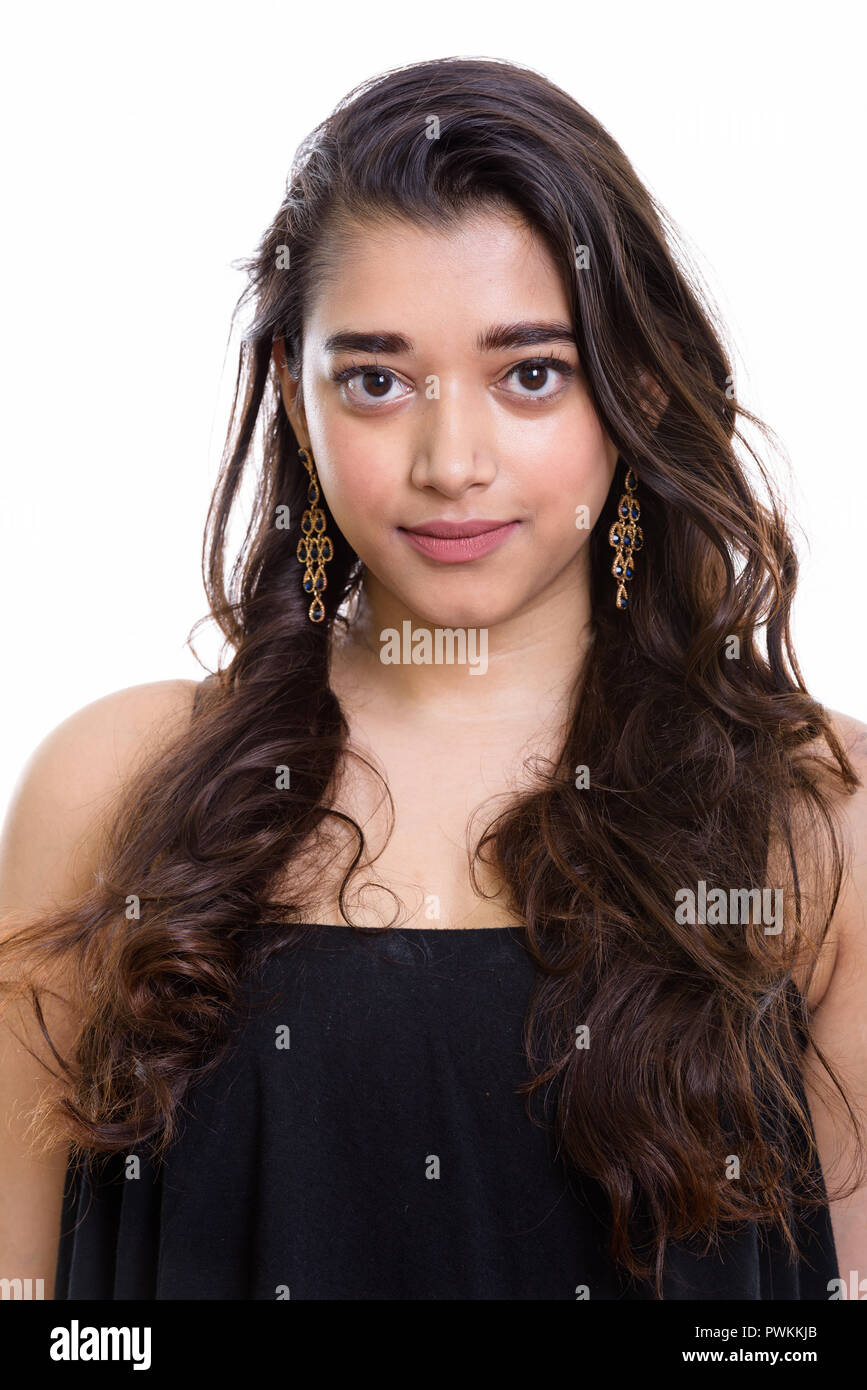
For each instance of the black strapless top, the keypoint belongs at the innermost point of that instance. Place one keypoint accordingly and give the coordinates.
(363, 1140)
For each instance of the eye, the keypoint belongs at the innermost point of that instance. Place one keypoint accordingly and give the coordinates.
(373, 387)
(536, 373)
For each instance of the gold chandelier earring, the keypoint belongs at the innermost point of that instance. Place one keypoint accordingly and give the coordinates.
(314, 549)
(626, 537)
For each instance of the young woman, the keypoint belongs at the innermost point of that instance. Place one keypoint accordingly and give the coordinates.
(489, 926)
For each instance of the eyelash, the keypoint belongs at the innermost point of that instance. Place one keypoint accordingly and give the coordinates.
(560, 364)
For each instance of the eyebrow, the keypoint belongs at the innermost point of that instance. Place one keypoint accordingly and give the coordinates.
(497, 339)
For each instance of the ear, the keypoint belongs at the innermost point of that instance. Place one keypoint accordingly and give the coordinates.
(290, 391)
(654, 399)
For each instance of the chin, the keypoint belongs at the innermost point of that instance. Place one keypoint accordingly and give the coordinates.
(474, 612)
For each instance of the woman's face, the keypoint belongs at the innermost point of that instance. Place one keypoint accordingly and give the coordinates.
(452, 418)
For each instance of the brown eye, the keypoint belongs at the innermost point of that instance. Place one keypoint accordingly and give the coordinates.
(367, 385)
(532, 376)
(540, 378)
(376, 383)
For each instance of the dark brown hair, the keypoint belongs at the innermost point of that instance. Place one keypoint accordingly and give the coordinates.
(701, 767)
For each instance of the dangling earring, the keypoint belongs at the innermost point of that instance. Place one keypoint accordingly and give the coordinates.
(314, 549)
(626, 537)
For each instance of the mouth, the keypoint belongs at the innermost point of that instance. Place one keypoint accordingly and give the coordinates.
(456, 541)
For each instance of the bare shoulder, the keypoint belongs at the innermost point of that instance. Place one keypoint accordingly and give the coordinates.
(70, 782)
(850, 916)
(849, 811)
(128, 715)
(48, 856)
(839, 1034)
(852, 733)
(852, 807)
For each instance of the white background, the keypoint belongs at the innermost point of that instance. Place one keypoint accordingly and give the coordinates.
(147, 148)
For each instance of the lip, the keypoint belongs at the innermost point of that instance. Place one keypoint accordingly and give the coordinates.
(454, 530)
(456, 541)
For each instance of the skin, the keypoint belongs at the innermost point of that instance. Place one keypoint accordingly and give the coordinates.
(399, 458)
(495, 444)
(474, 451)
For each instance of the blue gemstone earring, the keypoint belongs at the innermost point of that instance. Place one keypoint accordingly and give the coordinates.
(626, 537)
(314, 549)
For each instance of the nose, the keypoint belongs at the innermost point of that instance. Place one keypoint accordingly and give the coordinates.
(453, 450)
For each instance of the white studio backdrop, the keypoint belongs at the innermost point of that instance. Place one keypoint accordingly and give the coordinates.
(147, 149)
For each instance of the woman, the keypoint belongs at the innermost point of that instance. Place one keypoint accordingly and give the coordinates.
(478, 931)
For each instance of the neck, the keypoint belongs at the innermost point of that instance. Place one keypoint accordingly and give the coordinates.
(524, 668)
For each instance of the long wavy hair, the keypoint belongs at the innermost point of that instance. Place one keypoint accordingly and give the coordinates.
(701, 767)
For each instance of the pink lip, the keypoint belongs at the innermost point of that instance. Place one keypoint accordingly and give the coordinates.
(454, 530)
(455, 541)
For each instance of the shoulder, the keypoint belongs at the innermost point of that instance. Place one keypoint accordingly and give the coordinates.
(92, 748)
(850, 916)
(68, 784)
(126, 711)
(853, 736)
(838, 1033)
(851, 807)
(848, 810)
(845, 947)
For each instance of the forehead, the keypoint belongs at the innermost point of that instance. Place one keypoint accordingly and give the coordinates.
(392, 273)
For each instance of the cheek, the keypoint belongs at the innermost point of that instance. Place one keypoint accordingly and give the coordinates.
(351, 470)
(360, 492)
(569, 492)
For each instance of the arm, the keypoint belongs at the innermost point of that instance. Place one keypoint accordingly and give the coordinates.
(840, 1025)
(48, 856)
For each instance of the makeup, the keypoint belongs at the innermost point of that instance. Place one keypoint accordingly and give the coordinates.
(454, 542)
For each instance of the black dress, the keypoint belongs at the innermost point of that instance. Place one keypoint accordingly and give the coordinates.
(363, 1140)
